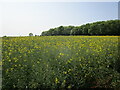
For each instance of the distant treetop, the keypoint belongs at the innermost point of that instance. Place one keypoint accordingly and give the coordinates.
(30, 34)
(110, 27)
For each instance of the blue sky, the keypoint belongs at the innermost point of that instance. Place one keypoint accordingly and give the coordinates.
(25, 17)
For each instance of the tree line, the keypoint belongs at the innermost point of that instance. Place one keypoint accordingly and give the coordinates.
(109, 27)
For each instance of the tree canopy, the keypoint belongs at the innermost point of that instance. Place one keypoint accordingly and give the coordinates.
(109, 27)
(30, 34)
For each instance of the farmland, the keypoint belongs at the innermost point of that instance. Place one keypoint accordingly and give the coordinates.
(60, 62)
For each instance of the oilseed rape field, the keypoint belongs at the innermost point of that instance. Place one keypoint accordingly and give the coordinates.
(60, 62)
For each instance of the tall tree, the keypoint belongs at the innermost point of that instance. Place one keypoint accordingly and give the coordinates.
(30, 34)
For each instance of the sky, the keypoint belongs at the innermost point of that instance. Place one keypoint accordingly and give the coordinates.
(22, 18)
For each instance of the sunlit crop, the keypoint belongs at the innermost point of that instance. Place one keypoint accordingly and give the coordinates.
(60, 62)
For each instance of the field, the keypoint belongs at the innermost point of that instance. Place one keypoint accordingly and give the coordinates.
(60, 62)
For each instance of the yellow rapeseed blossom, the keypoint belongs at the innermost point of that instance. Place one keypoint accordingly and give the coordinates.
(64, 72)
(33, 65)
(56, 80)
(7, 70)
(69, 86)
(58, 55)
(11, 69)
(61, 54)
(64, 81)
(15, 65)
(38, 62)
(0, 62)
(9, 60)
(69, 70)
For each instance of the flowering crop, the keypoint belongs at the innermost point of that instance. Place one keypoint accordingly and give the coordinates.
(60, 62)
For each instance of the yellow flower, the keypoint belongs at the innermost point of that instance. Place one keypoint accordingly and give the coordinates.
(16, 60)
(33, 65)
(7, 70)
(25, 60)
(15, 65)
(56, 80)
(9, 53)
(65, 72)
(69, 70)
(9, 60)
(64, 81)
(61, 54)
(69, 61)
(0, 63)
(69, 86)
(11, 69)
(38, 62)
